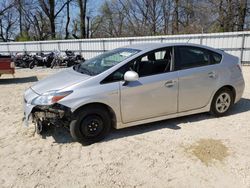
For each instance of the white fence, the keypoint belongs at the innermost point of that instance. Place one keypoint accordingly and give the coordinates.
(235, 43)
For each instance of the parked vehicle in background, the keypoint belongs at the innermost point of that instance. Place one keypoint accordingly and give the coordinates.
(23, 60)
(49, 58)
(72, 59)
(39, 59)
(66, 59)
(134, 85)
(58, 59)
(52, 59)
(18, 59)
(7, 66)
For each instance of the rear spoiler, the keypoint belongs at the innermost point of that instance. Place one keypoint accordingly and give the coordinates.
(220, 49)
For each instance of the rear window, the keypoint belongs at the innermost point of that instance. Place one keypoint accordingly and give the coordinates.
(191, 57)
(216, 57)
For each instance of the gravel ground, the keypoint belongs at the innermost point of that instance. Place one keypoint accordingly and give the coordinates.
(192, 151)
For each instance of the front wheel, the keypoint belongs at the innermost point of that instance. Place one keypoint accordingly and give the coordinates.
(91, 125)
(222, 102)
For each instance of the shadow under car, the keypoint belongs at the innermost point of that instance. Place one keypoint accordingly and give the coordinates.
(62, 135)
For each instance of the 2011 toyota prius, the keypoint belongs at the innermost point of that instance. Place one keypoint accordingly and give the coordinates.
(133, 85)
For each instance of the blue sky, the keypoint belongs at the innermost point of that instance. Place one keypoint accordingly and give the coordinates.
(93, 6)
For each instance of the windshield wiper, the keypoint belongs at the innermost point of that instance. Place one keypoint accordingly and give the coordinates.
(84, 71)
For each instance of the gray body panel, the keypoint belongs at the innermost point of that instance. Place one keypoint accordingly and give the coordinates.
(59, 81)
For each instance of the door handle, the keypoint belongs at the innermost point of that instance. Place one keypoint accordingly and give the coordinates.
(212, 74)
(170, 83)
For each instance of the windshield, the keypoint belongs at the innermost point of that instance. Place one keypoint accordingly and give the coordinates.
(104, 61)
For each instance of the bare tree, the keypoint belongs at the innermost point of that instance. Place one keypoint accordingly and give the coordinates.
(166, 12)
(82, 7)
(7, 20)
(118, 18)
(7, 26)
(6, 5)
(175, 21)
(68, 20)
(49, 8)
(242, 14)
(20, 12)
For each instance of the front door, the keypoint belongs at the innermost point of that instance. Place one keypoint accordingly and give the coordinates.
(155, 93)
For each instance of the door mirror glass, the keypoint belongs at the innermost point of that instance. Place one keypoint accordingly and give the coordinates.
(131, 76)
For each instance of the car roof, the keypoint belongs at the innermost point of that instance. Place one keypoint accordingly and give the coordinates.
(153, 46)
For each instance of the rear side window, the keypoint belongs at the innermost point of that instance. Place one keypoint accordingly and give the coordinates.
(189, 57)
(215, 57)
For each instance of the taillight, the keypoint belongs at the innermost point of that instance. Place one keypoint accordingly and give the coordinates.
(12, 65)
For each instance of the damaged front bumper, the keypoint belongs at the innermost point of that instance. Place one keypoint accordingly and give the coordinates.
(27, 111)
(29, 95)
(55, 114)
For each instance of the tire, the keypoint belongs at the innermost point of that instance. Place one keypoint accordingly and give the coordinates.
(32, 65)
(91, 125)
(68, 63)
(47, 64)
(222, 102)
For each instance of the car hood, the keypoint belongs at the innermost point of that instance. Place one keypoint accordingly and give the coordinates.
(59, 81)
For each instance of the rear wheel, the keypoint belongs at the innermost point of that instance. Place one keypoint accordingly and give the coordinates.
(32, 65)
(92, 124)
(48, 64)
(222, 102)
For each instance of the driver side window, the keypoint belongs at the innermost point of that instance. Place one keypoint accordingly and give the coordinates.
(151, 63)
(118, 75)
(155, 62)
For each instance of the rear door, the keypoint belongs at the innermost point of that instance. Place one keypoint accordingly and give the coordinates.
(198, 76)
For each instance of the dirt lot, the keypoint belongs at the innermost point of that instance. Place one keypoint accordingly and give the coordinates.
(193, 151)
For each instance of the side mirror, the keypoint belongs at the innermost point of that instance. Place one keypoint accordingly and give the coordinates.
(131, 76)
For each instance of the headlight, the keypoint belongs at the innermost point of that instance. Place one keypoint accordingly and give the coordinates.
(50, 98)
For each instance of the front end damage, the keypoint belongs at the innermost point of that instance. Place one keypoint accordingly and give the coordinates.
(48, 116)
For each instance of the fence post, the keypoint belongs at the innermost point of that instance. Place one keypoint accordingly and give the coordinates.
(80, 47)
(201, 40)
(40, 47)
(8, 48)
(242, 48)
(58, 46)
(24, 47)
(103, 45)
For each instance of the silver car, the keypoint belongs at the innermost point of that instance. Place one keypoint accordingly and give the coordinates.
(134, 85)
